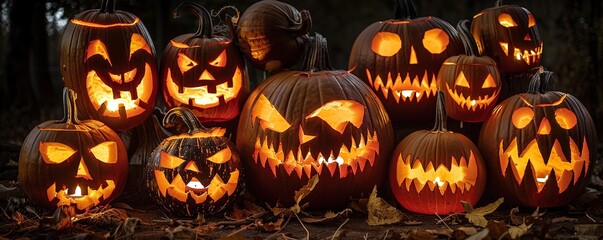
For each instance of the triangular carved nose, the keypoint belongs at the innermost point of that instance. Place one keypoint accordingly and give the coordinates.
(544, 128)
(82, 171)
(413, 56)
(206, 76)
(527, 37)
(191, 166)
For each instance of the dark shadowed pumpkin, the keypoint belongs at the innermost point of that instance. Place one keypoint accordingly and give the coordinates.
(204, 72)
(108, 59)
(509, 35)
(539, 146)
(400, 58)
(471, 83)
(432, 171)
(197, 172)
(72, 162)
(272, 34)
(314, 121)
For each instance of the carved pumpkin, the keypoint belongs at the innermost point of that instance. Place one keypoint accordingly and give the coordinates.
(204, 72)
(509, 35)
(272, 34)
(72, 162)
(539, 146)
(194, 172)
(470, 83)
(297, 124)
(108, 59)
(432, 171)
(400, 58)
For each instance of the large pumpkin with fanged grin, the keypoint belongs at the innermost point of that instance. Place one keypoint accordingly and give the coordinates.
(72, 162)
(316, 121)
(539, 146)
(194, 172)
(204, 72)
(400, 58)
(108, 59)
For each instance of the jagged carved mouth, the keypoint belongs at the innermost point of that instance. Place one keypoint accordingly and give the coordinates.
(82, 201)
(462, 175)
(406, 89)
(348, 160)
(563, 169)
(471, 103)
(120, 104)
(203, 96)
(180, 190)
(529, 56)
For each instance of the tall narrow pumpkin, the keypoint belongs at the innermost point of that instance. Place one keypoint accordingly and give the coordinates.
(108, 59)
(314, 121)
(432, 171)
(400, 59)
(203, 71)
(539, 146)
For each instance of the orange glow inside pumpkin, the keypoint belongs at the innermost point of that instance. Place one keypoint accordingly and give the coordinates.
(529, 56)
(199, 193)
(522, 117)
(472, 102)
(531, 20)
(386, 44)
(214, 132)
(566, 118)
(268, 115)
(200, 96)
(221, 156)
(435, 40)
(105, 152)
(79, 200)
(100, 25)
(403, 87)
(462, 175)
(333, 111)
(506, 20)
(54, 152)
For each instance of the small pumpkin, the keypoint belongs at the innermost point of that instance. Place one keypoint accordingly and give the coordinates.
(509, 35)
(471, 83)
(197, 172)
(314, 121)
(400, 59)
(108, 59)
(203, 71)
(433, 171)
(272, 34)
(71, 162)
(539, 146)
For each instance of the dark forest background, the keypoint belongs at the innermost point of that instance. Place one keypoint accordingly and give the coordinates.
(31, 32)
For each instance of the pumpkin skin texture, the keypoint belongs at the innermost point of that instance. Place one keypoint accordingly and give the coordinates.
(509, 35)
(108, 59)
(272, 34)
(301, 123)
(400, 59)
(471, 83)
(58, 156)
(539, 146)
(198, 172)
(432, 171)
(204, 72)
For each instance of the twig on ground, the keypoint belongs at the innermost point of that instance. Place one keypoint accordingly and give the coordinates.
(444, 222)
(335, 234)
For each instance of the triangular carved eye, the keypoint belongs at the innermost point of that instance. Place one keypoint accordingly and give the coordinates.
(105, 152)
(506, 20)
(185, 63)
(339, 113)
(269, 117)
(55, 153)
(489, 82)
(461, 81)
(531, 20)
(220, 61)
(169, 161)
(137, 42)
(97, 47)
(221, 156)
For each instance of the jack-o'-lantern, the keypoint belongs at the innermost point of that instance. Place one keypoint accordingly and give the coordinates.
(204, 72)
(194, 172)
(539, 146)
(509, 35)
(471, 83)
(272, 34)
(400, 59)
(315, 121)
(72, 162)
(432, 171)
(108, 59)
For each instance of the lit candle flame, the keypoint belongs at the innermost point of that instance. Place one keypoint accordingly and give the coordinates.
(406, 93)
(518, 56)
(542, 180)
(473, 102)
(338, 160)
(112, 106)
(195, 185)
(78, 192)
(438, 181)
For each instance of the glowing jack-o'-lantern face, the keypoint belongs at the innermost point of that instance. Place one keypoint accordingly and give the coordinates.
(544, 156)
(69, 162)
(471, 85)
(510, 36)
(325, 122)
(400, 59)
(196, 172)
(108, 59)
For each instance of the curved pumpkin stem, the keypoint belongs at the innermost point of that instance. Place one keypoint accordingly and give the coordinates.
(107, 6)
(205, 25)
(440, 119)
(69, 108)
(499, 3)
(540, 81)
(187, 116)
(405, 9)
(316, 57)
(467, 38)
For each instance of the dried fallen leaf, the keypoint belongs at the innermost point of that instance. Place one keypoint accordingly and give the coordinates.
(588, 230)
(61, 218)
(497, 229)
(380, 212)
(270, 226)
(249, 209)
(443, 232)
(476, 216)
(126, 229)
(18, 217)
(359, 205)
(479, 235)
(518, 231)
(420, 235)
(303, 192)
(468, 230)
(329, 215)
(563, 219)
